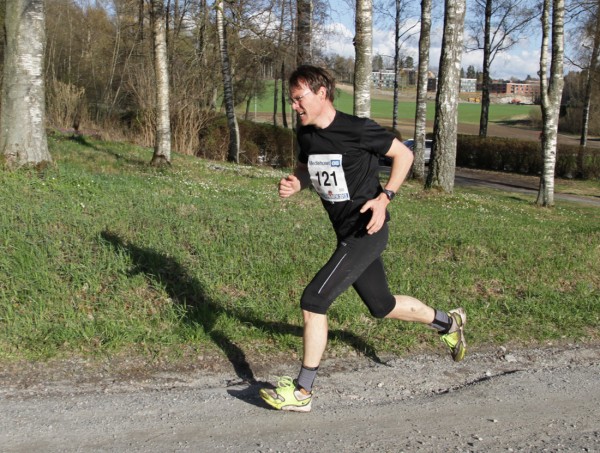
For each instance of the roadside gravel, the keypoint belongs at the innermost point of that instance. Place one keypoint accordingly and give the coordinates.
(543, 399)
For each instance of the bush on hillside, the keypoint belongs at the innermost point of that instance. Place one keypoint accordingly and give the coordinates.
(521, 156)
(265, 144)
(260, 143)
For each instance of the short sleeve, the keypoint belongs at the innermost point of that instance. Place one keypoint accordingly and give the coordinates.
(300, 146)
(302, 157)
(376, 138)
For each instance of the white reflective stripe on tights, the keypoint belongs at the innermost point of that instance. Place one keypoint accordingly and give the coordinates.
(332, 272)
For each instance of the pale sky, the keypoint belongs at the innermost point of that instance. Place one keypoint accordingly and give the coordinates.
(521, 61)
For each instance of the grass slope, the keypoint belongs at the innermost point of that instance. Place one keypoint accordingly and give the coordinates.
(103, 254)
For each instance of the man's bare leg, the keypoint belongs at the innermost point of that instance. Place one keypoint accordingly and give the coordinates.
(410, 309)
(315, 338)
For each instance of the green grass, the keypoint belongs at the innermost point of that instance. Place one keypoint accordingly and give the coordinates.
(382, 108)
(102, 254)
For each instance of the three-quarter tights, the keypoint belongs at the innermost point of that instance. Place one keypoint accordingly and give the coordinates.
(356, 262)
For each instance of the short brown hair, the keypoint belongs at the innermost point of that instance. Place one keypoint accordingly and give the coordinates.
(315, 78)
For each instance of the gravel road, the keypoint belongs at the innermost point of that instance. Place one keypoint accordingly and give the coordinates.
(545, 399)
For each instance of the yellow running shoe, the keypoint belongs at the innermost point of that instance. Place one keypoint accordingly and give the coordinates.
(455, 339)
(286, 396)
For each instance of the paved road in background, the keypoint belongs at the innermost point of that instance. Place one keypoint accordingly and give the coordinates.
(506, 182)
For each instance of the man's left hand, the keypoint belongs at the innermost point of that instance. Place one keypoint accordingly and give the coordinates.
(378, 211)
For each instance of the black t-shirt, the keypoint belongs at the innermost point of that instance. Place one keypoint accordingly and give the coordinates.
(343, 162)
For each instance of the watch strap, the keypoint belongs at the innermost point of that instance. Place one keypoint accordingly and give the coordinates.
(389, 193)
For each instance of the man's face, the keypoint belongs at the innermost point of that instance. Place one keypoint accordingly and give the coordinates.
(308, 105)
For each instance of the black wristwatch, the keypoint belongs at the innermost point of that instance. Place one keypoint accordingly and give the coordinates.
(390, 194)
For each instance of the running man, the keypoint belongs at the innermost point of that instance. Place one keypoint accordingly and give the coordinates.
(339, 154)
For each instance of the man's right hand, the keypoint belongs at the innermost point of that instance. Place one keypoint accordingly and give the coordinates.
(289, 186)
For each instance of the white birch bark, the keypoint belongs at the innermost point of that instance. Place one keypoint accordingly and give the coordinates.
(585, 120)
(233, 154)
(304, 32)
(552, 29)
(443, 155)
(23, 138)
(363, 60)
(421, 111)
(162, 137)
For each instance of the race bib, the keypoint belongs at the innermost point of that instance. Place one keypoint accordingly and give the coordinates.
(327, 177)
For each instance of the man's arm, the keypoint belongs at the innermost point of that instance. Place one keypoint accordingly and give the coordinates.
(402, 159)
(292, 184)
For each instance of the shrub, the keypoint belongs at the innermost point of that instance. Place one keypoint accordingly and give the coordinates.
(66, 105)
(214, 140)
(271, 145)
(260, 143)
(525, 156)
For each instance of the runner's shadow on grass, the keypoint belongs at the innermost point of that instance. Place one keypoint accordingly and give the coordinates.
(81, 140)
(200, 309)
(186, 291)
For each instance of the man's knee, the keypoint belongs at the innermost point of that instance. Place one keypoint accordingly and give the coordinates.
(382, 308)
(313, 302)
(380, 314)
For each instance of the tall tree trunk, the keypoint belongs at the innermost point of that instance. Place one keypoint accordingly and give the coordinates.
(551, 94)
(247, 111)
(233, 154)
(202, 26)
(443, 155)
(140, 20)
(283, 96)
(585, 120)
(281, 54)
(421, 112)
(363, 50)
(397, 25)
(23, 115)
(276, 100)
(485, 85)
(304, 32)
(162, 138)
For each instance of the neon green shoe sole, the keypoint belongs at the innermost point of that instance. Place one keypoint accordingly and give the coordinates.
(286, 397)
(456, 340)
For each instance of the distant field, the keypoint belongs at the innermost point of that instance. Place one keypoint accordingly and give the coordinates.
(382, 108)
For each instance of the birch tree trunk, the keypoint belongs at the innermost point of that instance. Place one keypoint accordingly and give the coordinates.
(233, 154)
(304, 32)
(397, 25)
(485, 86)
(443, 155)
(23, 138)
(162, 134)
(363, 49)
(585, 120)
(551, 94)
(421, 112)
